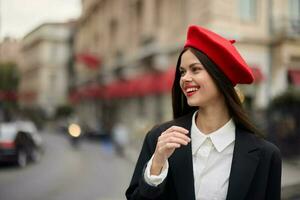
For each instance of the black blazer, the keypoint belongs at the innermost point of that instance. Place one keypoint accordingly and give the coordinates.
(255, 171)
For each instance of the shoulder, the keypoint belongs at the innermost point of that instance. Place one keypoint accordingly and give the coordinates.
(252, 142)
(270, 156)
(267, 146)
(268, 149)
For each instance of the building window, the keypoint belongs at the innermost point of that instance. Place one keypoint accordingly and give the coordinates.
(183, 12)
(294, 15)
(139, 15)
(247, 10)
(113, 29)
(53, 53)
(294, 9)
(158, 13)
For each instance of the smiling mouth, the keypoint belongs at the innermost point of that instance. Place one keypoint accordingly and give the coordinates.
(191, 91)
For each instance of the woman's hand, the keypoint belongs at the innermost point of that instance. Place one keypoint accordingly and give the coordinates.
(167, 142)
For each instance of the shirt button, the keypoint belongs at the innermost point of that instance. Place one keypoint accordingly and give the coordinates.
(209, 142)
(204, 152)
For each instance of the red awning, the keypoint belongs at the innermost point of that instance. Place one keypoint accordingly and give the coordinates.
(116, 89)
(294, 75)
(74, 96)
(8, 95)
(166, 80)
(91, 61)
(146, 84)
(90, 91)
(2, 95)
(258, 75)
(28, 96)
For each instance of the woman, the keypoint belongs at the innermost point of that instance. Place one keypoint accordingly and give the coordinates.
(210, 150)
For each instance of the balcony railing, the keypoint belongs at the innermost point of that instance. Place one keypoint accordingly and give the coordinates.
(286, 27)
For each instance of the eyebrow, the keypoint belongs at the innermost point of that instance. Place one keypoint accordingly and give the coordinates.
(191, 65)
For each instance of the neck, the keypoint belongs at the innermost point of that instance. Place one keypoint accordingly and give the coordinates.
(211, 118)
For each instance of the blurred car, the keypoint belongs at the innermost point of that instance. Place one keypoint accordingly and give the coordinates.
(20, 142)
(95, 133)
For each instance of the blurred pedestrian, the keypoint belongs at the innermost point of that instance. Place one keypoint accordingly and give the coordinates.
(210, 150)
(120, 138)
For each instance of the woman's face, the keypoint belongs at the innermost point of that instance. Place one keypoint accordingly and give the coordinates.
(195, 82)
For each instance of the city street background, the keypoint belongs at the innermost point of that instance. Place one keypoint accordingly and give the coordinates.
(83, 81)
(91, 171)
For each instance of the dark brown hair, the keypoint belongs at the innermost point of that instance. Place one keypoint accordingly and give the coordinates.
(235, 107)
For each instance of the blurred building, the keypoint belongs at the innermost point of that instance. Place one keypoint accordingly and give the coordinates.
(9, 50)
(9, 56)
(44, 67)
(127, 50)
(285, 46)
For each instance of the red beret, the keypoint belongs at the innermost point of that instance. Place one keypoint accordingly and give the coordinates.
(222, 52)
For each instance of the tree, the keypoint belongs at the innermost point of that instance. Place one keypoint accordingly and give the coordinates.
(9, 77)
(9, 81)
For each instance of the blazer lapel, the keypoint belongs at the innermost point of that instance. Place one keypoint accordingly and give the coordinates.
(244, 163)
(181, 165)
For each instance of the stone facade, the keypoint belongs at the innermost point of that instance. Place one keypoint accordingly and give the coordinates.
(44, 67)
(134, 37)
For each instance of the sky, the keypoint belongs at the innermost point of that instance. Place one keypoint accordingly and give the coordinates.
(19, 17)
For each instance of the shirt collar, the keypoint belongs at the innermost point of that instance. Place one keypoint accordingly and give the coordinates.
(220, 138)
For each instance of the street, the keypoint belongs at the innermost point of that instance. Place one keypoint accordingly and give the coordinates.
(91, 172)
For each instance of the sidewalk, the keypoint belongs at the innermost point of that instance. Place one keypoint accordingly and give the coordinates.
(291, 179)
(290, 174)
(132, 152)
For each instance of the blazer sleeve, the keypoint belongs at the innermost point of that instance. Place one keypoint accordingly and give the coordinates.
(274, 181)
(138, 188)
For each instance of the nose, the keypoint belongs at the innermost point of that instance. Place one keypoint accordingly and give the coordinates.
(186, 77)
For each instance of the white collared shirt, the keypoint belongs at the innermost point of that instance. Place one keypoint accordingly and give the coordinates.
(212, 158)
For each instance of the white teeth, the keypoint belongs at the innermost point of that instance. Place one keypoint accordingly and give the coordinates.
(191, 89)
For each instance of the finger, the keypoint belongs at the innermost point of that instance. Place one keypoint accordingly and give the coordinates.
(180, 135)
(177, 135)
(175, 128)
(182, 139)
(171, 131)
(178, 129)
(170, 146)
(177, 140)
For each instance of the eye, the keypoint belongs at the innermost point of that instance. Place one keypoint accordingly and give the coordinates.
(196, 69)
(181, 72)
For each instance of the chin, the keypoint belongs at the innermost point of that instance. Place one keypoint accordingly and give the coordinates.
(193, 103)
